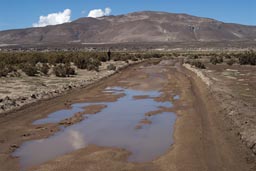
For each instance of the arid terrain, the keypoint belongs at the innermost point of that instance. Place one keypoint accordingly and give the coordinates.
(124, 86)
(145, 26)
(16, 92)
(234, 89)
(214, 127)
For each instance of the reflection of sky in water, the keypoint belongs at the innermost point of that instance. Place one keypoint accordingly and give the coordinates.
(176, 97)
(114, 126)
(78, 107)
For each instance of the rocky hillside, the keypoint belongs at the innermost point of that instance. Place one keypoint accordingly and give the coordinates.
(134, 27)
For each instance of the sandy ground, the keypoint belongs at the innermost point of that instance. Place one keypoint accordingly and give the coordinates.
(203, 140)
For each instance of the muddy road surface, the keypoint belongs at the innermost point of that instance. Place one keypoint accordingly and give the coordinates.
(151, 116)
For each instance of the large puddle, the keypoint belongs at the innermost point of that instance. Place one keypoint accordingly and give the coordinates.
(113, 126)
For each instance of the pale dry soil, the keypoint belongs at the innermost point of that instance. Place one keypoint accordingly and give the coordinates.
(16, 92)
(202, 138)
(235, 89)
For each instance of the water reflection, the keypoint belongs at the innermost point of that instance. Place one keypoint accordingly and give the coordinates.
(114, 126)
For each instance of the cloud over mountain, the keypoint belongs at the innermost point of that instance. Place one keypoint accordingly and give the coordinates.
(146, 26)
(99, 13)
(54, 19)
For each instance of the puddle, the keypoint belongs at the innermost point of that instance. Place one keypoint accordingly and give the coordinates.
(113, 126)
(176, 97)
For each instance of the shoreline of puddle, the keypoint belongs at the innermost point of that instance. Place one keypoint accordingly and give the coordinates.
(113, 126)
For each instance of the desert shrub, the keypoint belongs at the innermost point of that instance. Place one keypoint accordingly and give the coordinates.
(216, 60)
(156, 55)
(194, 57)
(69, 70)
(231, 62)
(198, 64)
(103, 58)
(29, 69)
(3, 72)
(116, 57)
(248, 58)
(111, 67)
(220, 59)
(126, 56)
(134, 59)
(145, 56)
(187, 61)
(37, 58)
(59, 57)
(62, 70)
(6, 69)
(93, 64)
(191, 56)
(228, 56)
(92, 67)
(175, 54)
(88, 63)
(44, 68)
(81, 62)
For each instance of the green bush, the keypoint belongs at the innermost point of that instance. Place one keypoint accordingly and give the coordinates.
(81, 62)
(216, 60)
(134, 59)
(228, 56)
(3, 72)
(231, 62)
(44, 68)
(88, 63)
(248, 58)
(62, 70)
(156, 55)
(6, 69)
(92, 67)
(103, 58)
(111, 67)
(198, 64)
(37, 58)
(116, 57)
(29, 69)
(196, 57)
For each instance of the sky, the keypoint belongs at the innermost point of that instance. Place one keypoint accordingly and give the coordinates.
(38, 13)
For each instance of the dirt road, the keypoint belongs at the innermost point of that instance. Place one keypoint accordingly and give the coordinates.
(202, 141)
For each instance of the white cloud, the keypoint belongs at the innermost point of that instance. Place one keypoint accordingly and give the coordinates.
(54, 19)
(107, 11)
(76, 139)
(99, 13)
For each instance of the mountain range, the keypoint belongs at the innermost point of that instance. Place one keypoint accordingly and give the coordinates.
(146, 26)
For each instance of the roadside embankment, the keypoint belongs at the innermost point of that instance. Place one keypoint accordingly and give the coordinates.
(236, 98)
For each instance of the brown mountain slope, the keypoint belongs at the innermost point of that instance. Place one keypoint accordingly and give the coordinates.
(134, 27)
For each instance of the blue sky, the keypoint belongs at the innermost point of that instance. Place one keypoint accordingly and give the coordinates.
(23, 13)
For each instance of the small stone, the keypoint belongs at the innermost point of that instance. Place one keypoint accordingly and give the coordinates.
(26, 135)
(14, 146)
(23, 98)
(7, 98)
(33, 96)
